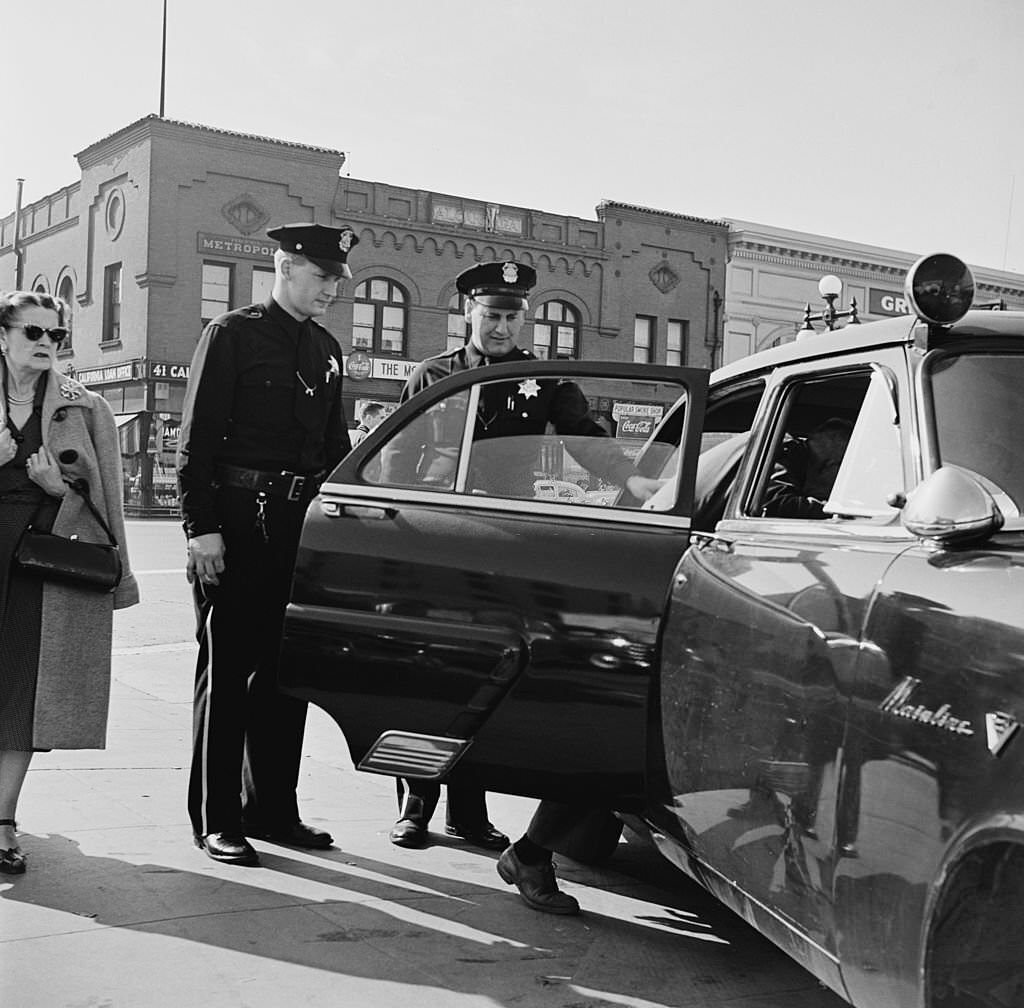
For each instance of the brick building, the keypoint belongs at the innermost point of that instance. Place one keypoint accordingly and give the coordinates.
(166, 228)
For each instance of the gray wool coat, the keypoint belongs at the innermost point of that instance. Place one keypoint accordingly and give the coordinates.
(73, 688)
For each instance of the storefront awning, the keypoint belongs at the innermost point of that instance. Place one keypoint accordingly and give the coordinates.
(127, 432)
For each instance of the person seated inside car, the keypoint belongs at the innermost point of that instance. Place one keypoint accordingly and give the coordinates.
(805, 471)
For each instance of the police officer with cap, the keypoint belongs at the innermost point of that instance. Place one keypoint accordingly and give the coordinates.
(495, 308)
(261, 426)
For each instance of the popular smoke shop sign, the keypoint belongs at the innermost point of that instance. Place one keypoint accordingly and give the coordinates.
(636, 420)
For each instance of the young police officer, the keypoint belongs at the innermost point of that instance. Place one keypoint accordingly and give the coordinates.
(261, 426)
(496, 305)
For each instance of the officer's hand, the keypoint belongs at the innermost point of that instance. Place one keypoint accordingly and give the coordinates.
(8, 447)
(44, 471)
(643, 487)
(205, 558)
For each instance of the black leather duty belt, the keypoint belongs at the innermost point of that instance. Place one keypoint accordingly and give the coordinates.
(288, 485)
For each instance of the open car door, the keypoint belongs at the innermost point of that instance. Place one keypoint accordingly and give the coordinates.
(457, 618)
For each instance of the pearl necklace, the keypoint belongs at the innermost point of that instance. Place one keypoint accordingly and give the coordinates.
(17, 401)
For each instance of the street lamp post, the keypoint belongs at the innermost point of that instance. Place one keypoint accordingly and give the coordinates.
(829, 287)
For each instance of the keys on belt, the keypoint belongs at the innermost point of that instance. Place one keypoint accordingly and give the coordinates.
(290, 486)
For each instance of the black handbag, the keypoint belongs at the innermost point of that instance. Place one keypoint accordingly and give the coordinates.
(69, 559)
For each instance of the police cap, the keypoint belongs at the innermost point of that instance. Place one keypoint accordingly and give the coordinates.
(328, 247)
(498, 284)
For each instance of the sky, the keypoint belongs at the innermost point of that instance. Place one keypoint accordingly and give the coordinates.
(893, 123)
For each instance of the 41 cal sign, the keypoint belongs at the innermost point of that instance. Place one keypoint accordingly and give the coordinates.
(158, 369)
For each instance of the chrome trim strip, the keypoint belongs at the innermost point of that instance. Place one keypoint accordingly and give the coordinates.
(362, 494)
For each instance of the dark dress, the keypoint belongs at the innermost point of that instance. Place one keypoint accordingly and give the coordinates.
(21, 598)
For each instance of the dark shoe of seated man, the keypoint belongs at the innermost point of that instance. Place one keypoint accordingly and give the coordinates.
(409, 832)
(535, 880)
(228, 848)
(295, 834)
(484, 835)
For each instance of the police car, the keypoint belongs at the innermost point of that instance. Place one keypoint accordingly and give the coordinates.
(815, 716)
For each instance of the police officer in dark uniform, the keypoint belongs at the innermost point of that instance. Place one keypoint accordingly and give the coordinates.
(261, 426)
(495, 308)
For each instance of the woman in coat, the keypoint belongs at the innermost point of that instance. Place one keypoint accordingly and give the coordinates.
(55, 639)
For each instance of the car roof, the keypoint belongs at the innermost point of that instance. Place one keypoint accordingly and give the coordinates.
(853, 338)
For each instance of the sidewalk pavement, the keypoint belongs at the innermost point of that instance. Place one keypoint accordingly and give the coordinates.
(119, 910)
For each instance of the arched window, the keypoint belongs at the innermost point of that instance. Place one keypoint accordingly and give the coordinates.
(379, 317)
(66, 292)
(459, 329)
(556, 331)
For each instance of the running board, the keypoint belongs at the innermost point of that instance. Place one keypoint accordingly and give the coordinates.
(407, 754)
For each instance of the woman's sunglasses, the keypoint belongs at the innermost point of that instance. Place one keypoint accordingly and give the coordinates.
(34, 333)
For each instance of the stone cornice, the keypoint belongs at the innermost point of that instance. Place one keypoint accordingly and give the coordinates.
(633, 209)
(153, 126)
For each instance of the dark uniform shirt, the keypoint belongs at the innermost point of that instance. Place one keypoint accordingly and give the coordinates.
(511, 408)
(247, 404)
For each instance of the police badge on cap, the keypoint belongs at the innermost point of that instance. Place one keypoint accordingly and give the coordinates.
(328, 247)
(498, 284)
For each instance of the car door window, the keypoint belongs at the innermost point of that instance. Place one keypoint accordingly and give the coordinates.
(810, 440)
(552, 439)
(871, 473)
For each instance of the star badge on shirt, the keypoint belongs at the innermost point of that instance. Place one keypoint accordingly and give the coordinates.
(529, 388)
(332, 369)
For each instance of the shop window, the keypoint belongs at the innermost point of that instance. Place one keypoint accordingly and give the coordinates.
(556, 331)
(66, 292)
(676, 333)
(262, 285)
(459, 330)
(112, 303)
(216, 294)
(379, 317)
(643, 339)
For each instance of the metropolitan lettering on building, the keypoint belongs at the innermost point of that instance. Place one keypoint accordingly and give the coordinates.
(253, 248)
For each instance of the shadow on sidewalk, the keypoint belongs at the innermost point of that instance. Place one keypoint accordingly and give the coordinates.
(374, 920)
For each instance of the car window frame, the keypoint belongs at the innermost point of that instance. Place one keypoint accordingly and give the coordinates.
(346, 481)
(756, 467)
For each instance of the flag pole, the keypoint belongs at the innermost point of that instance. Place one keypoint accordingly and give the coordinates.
(163, 60)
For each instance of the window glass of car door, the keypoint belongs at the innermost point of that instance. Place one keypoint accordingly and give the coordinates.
(871, 472)
(558, 440)
(810, 444)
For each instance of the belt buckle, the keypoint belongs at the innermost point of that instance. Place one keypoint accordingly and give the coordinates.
(298, 484)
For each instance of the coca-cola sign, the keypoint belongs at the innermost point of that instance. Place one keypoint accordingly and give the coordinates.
(635, 426)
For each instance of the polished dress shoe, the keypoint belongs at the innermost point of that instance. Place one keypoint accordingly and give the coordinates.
(483, 835)
(408, 833)
(12, 861)
(296, 834)
(230, 848)
(536, 884)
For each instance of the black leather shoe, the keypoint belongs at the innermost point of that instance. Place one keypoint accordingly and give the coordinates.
(407, 833)
(296, 834)
(485, 835)
(230, 848)
(536, 884)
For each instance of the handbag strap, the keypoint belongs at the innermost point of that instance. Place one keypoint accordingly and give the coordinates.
(81, 487)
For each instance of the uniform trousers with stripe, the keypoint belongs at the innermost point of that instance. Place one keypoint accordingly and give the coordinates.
(247, 735)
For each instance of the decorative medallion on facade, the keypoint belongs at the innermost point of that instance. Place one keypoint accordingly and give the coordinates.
(664, 277)
(245, 214)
